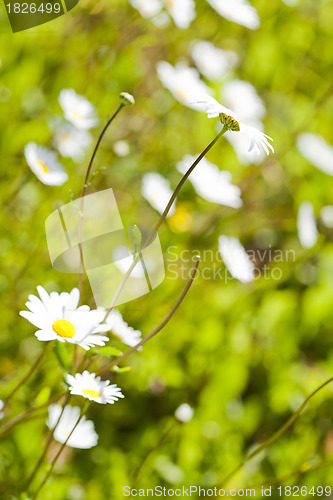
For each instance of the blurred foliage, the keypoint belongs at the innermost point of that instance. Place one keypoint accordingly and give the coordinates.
(243, 356)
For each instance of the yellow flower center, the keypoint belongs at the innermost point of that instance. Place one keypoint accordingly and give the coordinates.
(43, 166)
(90, 392)
(181, 95)
(77, 114)
(169, 3)
(64, 328)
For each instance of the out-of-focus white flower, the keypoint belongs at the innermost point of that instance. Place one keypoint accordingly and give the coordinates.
(93, 388)
(84, 435)
(183, 82)
(77, 109)
(121, 148)
(316, 150)
(72, 142)
(44, 164)
(306, 225)
(156, 189)
(237, 11)
(255, 138)
(58, 317)
(123, 261)
(1, 406)
(236, 259)
(240, 143)
(326, 215)
(181, 11)
(212, 62)
(147, 8)
(243, 99)
(120, 329)
(184, 413)
(212, 183)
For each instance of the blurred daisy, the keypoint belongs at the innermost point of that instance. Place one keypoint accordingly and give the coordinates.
(212, 62)
(78, 110)
(184, 413)
(212, 183)
(237, 11)
(123, 259)
(84, 435)
(121, 148)
(183, 82)
(156, 189)
(316, 150)
(240, 143)
(58, 317)
(326, 215)
(236, 259)
(306, 225)
(44, 164)
(1, 406)
(181, 11)
(243, 99)
(93, 388)
(120, 329)
(72, 142)
(255, 138)
(147, 8)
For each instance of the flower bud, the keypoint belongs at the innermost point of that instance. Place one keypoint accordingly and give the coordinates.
(126, 99)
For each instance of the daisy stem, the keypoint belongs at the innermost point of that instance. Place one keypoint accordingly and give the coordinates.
(28, 375)
(276, 434)
(61, 449)
(109, 366)
(19, 185)
(48, 444)
(163, 216)
(84, 189)
(16, 420)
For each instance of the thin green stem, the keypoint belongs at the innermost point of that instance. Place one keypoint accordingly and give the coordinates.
(109, 366)
(28, 375)
(276, 434)
(54, 461)
(300, 472)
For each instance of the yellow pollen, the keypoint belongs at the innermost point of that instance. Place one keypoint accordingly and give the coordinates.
(64, 328)
(43, 166)
(90, 392)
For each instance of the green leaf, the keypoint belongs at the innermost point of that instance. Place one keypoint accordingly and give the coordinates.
(124, 369)
(108, 351)
(62, 355)
(43, 396)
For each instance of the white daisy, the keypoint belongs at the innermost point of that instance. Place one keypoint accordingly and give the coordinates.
(72, 142)
(306, 225)
(237, 11)
(212, 183)
(120, 329)
(255, 138)
(183, 82)
(84, 435)
(93, 388)
(1, 406)
(184, 413)
(326, 215)
(240, 144)
(121, 148)
(44, 164)
(156, 189)
(212, 62)
(78, 110)
(236, 259)
(147, 8)
(243, 99)
(181, 11)
(316, 150)
(58, 317)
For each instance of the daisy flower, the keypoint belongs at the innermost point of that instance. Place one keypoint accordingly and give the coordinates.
(306, 225)
(120, 329)
(316, 150)
(211, 183)
(156, 189)
(72, 142)
(236, 259)
(184, 413)
(78, 110)
(183, 82)
(1, 406)
(237, 11)
(255, 138)
(181, 11)
(240, 144)
(84, 435)
(147, 8)
(58, 317)
(212, 62)
(91, 387)
(44, 164)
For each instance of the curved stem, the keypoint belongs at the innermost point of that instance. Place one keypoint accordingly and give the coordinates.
(28, 375)
(109, 366)
(276, 434)
(54, 461)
